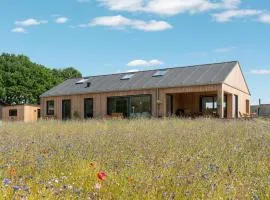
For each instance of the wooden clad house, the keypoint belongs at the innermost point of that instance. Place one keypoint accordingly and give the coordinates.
(217, 89)
(24, 113)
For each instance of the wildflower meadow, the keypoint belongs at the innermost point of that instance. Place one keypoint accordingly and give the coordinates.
(136, 159)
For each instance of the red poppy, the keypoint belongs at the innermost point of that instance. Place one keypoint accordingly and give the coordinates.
(101, 175)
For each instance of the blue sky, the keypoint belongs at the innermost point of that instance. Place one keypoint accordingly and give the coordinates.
(109, 36)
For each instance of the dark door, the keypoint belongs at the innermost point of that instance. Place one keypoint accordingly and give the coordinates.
(66, 109)
(38, 113)
(236, 106)
(225, 107)
(88, 108)
(169, 105)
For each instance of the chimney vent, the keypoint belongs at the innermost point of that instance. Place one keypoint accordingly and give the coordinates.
(88, 84)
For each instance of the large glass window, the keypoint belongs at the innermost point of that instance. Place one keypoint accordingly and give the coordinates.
(130, 106)
(209, 104)
(118, 105)
(140, 105)
(13, 113)
(50, 107)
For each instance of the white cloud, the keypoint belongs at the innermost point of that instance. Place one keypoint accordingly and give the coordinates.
(152, 25)
(169, 7)
(123, 22)
(123, 5)
(174, 7)
(132, 70)
(30, 22)
(265, 18)
(61, 20)
(227, 9)
(261, 71)
(230, 14)
(18, 30)
(231, 4)
(111, 21)
(144, 63)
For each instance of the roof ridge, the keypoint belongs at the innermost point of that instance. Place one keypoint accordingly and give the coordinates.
(167, 68)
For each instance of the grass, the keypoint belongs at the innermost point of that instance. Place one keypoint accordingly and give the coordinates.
(142, 159)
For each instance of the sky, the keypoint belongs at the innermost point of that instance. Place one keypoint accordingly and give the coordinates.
(110, 36)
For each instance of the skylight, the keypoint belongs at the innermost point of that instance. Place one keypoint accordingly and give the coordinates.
(160, 73)
(127, 76)
(81, 81)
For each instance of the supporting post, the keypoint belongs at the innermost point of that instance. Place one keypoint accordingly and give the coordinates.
(230, 106)
(157, 102)
(220, 99)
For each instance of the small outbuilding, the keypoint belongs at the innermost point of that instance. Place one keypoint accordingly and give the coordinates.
(262, 110)
(24, 113)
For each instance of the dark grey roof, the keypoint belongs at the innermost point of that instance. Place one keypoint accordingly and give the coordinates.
(179, 76)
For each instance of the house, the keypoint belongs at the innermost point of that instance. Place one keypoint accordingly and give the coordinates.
(24, 113)
(218, 89)
(261, 110)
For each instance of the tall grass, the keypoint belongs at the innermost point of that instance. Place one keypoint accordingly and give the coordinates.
(142, 159)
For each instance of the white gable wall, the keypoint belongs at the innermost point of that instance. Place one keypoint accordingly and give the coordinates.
(236, 80)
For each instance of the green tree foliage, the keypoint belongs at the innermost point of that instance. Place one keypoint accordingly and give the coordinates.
(22, 81)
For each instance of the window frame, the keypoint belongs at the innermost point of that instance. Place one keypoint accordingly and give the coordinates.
(129, 106)
(13, 110)
(141, 96)
(214, 104)
(48, 111)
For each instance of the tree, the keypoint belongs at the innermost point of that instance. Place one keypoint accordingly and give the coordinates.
(67, 73)
(22, 81)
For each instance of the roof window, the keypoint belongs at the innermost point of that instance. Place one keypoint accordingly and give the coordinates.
(81, 81)
(127, 76)
(160, 73)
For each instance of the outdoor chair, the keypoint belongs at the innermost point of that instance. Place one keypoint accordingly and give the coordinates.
(245, 116)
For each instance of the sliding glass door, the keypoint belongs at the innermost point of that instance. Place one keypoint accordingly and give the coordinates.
(130, 106)
(140, 105)
(118, 105)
